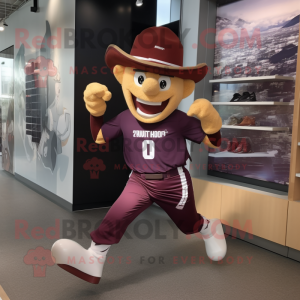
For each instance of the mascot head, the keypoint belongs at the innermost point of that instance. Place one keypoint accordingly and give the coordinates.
(152, 76)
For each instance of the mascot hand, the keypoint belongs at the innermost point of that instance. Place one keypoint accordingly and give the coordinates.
(211, 121)
(95, 96)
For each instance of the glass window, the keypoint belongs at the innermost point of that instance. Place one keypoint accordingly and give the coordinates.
(163, 12)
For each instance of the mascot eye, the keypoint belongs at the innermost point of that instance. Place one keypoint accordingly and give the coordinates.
(139, 78)
(164, 83)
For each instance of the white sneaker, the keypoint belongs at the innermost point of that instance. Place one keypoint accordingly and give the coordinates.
(85, 264)
(214, 239)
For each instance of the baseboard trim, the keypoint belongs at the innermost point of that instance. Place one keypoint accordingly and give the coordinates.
(89, 206)
(45, 193)
(294, 254)
(258, 241)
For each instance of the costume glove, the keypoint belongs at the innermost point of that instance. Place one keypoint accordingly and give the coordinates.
(95, 97)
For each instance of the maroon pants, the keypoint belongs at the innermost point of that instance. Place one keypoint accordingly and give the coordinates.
(139, 194)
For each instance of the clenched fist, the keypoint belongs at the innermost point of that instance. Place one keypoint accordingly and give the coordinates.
(95, 97)
(210, 119)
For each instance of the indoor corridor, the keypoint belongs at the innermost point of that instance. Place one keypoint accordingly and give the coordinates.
(138, 267)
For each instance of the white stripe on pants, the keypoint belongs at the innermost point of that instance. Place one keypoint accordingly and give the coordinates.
(185, 192)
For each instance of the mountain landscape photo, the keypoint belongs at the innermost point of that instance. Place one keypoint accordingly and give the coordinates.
(292, 22)
(273, 48)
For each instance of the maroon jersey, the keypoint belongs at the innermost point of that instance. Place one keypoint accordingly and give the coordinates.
(157, 147)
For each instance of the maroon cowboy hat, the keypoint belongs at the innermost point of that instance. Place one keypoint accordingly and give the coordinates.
(156, 50)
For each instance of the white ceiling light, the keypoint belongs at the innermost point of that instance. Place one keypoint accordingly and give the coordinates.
(139, 2)
(3, 24)
(2, 28)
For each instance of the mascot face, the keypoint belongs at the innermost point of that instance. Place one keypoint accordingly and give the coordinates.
(152, 97)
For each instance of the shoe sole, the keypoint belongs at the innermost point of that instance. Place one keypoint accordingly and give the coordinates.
(80, 274)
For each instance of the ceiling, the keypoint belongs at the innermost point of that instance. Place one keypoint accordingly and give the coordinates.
(11, 5)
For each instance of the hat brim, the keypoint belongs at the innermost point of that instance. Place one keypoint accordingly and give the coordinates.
(116, 56)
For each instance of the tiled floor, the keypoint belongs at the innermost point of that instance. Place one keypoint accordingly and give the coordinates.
(249, 272)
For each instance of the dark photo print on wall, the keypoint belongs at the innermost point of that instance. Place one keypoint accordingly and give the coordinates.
(43, 122)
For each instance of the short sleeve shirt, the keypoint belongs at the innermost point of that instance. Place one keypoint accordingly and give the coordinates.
(157, 147)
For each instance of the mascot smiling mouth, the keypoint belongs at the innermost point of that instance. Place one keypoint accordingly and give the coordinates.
(149, 109)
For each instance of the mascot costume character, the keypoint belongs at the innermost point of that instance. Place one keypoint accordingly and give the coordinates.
(153, 83)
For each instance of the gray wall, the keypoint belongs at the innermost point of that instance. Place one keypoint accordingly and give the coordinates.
(197, 16)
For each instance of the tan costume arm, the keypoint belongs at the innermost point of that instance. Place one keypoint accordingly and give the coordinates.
(95, 97)
(211, 121)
